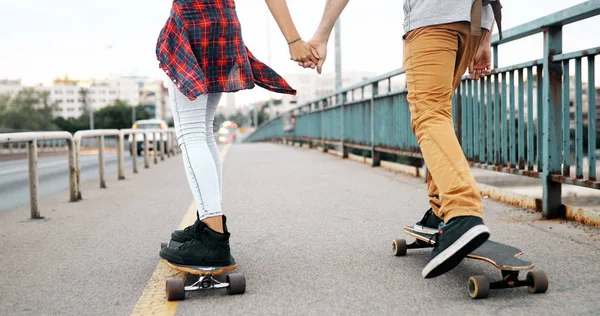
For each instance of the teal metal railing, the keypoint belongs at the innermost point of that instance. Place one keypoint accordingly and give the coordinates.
(526, 119)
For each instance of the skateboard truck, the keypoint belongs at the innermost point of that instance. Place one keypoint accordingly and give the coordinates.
(536, 282)
(235, 283)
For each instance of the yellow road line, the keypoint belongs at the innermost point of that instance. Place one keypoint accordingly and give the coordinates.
(153, 300)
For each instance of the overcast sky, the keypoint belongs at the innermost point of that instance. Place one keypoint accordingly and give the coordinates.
(43, 39)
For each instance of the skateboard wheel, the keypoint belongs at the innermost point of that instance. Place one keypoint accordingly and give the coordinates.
(175, 290)
(537, 281)
(479, 286)
(237, 283)
(163, 245)
(399, 247)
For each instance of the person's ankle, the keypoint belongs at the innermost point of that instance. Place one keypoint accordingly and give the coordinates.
(214, 223)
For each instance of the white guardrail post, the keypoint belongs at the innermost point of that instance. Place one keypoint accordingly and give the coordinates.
(100, 133)
(31, 139)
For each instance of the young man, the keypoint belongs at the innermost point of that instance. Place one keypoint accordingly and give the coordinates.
(440, 43)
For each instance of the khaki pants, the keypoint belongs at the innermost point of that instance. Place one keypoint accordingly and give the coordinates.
(435, 59)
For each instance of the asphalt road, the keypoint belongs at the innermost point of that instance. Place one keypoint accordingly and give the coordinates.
(311, 233)
(53, 176)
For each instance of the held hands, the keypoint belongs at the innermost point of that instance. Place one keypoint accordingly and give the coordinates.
(302, 52)
(319, 50)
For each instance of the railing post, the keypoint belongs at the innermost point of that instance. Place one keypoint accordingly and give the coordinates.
(101, 161)
(163, 147)
(10, 148)
(134, 152)
(551, 117)
(168, 145)
(343, 139)
(375, 155)
(458, 118)
(155, 147)
(72, 171)
(77, 145)
(322, 108)
(33, 179)
(146, 161)
(121, 160)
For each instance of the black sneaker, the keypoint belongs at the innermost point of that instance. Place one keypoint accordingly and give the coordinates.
(189, 232)
(455, 240)
(430, 220)
(208, 248)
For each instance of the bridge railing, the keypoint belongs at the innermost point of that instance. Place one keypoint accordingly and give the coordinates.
(74, 142)
(518, 120)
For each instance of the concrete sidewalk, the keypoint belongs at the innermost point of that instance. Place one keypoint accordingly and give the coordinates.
(311, 232)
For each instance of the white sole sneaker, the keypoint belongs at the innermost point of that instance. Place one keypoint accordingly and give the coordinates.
(461, 245)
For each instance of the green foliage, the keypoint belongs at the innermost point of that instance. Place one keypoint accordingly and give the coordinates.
(219, 119)
(29, 110)
(116, 116)
(263, 116)
(239, 118)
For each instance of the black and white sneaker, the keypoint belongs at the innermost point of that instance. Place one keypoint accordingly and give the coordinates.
(430, 223)
(455, 240)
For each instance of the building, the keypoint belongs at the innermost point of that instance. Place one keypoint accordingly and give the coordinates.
(10, 87)
(72, 96)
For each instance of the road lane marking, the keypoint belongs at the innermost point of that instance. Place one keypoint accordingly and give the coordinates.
(153, 300)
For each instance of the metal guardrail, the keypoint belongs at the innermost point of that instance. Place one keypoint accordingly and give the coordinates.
(516, 120)
(120, 134)
(74, 146)
(31, 138)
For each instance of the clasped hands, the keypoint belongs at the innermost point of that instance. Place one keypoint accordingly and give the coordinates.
(309, 54)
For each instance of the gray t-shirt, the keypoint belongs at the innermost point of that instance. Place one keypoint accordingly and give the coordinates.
(420, 13)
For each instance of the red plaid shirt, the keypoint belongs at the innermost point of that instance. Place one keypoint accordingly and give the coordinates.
(201, 49)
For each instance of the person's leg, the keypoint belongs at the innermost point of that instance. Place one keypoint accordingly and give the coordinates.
(190, 126)
(463, 57)
(216, 222)
(211, 111)
(432, 56)
(208, 247)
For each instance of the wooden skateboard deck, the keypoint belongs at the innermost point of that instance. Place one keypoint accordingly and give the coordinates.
(499, 255)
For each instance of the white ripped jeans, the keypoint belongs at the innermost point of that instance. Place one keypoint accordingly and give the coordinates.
(195, 136)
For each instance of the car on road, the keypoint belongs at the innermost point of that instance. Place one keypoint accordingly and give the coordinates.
(154, 124)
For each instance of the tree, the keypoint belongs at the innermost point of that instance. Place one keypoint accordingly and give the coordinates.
(116, 116)
(219, 119)
(119, 115)
(29, 110)
(263, 116)
(239, 118)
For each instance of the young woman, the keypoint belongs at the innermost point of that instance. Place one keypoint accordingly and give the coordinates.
(201, 50)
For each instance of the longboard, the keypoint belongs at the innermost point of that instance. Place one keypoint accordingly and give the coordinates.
(176, 288)
(501, 256)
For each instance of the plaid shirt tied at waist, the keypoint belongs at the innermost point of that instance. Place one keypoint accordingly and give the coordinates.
(201, 49)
